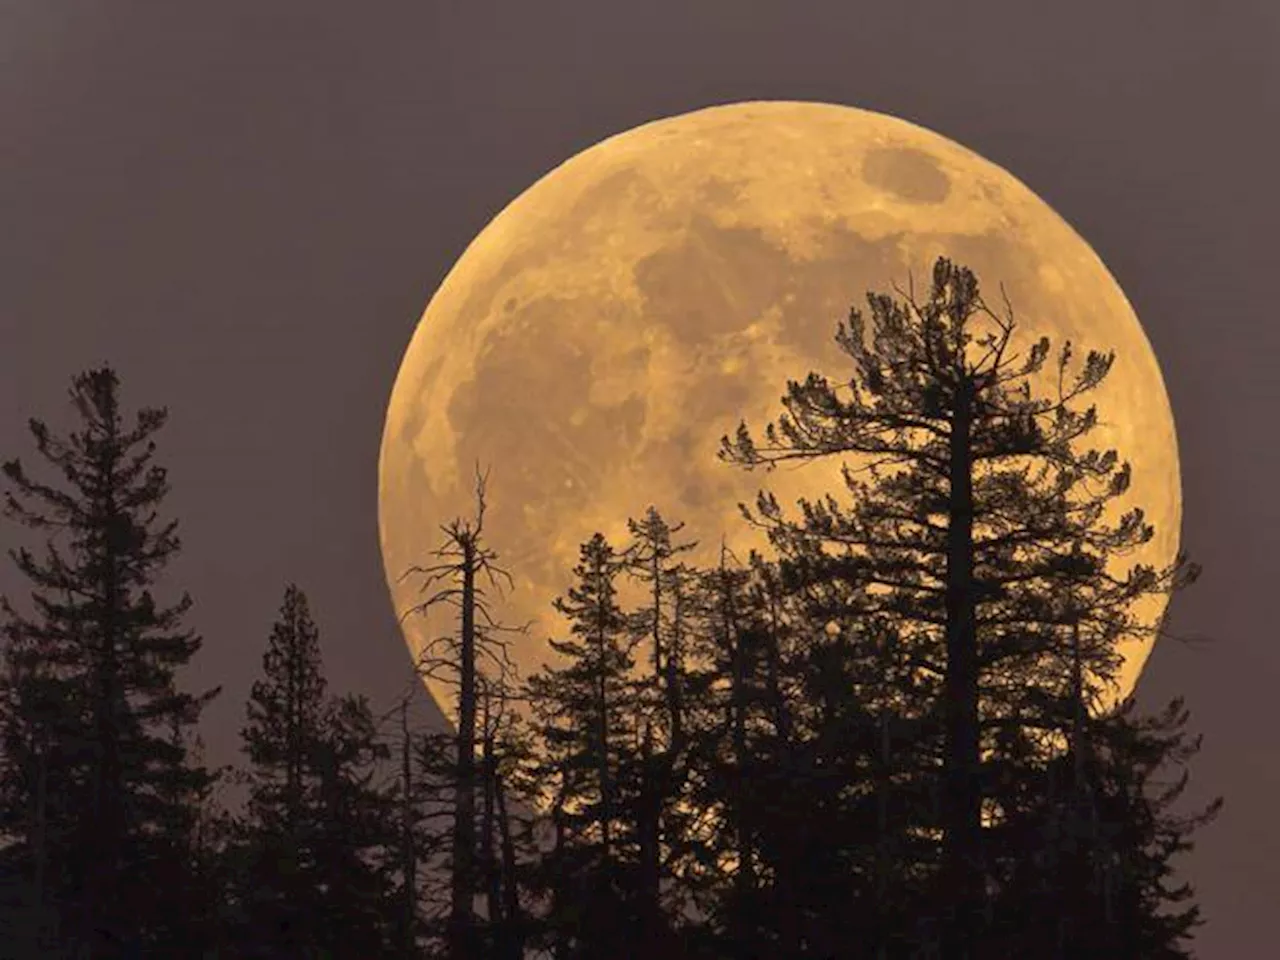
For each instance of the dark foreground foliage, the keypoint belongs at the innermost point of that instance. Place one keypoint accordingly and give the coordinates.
(895, 737)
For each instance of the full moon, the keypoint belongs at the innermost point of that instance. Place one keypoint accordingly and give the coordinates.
(597, 338)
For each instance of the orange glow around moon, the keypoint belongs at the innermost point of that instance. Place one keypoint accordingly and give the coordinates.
(604, 330)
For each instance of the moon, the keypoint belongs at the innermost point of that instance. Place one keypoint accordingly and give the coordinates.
(597, 338)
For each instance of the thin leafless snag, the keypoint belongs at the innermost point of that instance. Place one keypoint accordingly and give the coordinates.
(453, 658)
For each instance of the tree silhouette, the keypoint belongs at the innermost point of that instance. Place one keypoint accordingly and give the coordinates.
(455, 658)
(662, 626)
(897, 738)
(587, 718)
(99, 789)
(981, 513)
(282, 742)
(311, 875)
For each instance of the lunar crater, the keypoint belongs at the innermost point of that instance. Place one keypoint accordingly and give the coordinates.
(908, 174)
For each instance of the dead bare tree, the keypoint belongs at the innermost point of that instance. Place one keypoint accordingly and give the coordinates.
(454, 579)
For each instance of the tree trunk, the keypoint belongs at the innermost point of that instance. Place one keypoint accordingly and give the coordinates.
(650, 812)
(513, 938)
(962, 872)
(461, 913)
(41, 897)
(745, 837)
(656, 573)
(408, 855)
(675, 657)
(105, 825)
(494, 904)
(744, 877)
(602, 760)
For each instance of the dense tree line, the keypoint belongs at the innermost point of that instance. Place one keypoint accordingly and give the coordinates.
(894, 737)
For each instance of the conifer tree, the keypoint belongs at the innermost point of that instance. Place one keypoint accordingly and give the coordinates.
(313, 844)
(1142, 774)
(785, 755)
(283, 739)
(659, 622)
(661, 629)
(849, 723)
(978, 494)
(99, 784)
(586, 717)
(725, 751)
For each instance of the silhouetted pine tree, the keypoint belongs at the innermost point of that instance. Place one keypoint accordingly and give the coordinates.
(659, 622)
(752, 654)
(99, 788)
(661, 633)
(855, 730)
(282, 741)
(794, 767)
(586, 715)
(311, 850)
(977, 493)
(728, 784)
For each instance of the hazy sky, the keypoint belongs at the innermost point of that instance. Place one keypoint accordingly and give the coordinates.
(245, 206)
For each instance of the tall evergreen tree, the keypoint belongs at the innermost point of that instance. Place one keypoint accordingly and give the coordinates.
(283, 739)
(586, 715)
(659, 622)
(836, 715)
(98, 790)
(980, 502)
(661, 630)
(312, 844)
(724, 750)
(786, 743)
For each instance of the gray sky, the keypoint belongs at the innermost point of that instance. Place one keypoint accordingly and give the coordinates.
(245, 206)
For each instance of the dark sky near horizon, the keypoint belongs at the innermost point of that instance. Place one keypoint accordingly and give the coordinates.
(245, 205)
